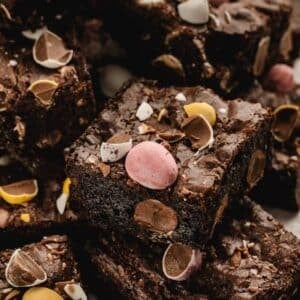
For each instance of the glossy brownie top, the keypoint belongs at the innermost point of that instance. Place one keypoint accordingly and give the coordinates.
(200, 172)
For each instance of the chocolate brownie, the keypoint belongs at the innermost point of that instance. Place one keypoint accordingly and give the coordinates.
(186, 177)
(252, 257)
(224, 46)
(42, 270)
(37, 215)
(280, 185)
(44, 103)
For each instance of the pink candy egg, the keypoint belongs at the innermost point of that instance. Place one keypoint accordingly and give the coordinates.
(151, 165)
(281, 78)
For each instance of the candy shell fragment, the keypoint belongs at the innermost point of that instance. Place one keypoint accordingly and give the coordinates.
(194, 11)
(285, 119)
(115, 148)
(21, 263)
(19, 192)
(144, 111)
(201, 108)
(75, 291)
(181, 261)
(50, 52)
(43, 90)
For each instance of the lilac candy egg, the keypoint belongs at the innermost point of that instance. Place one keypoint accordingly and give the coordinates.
(151, 165)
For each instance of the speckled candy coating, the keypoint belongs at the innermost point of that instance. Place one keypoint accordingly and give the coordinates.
(151, 165)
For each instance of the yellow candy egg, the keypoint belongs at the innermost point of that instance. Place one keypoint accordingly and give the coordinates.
(39, 293)
(201, 108)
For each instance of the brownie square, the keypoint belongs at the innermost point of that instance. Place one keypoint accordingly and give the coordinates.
(32, 128)
(40, 269)
(252, 257)
(230, 45)
(207, 182)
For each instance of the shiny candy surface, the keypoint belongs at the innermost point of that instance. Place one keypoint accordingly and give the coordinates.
(151, 165)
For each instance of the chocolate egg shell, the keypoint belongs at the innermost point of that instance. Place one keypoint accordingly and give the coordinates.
(181, 261)
(151, 165)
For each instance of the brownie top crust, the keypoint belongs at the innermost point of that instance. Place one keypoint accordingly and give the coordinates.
(200, 172)
(19, 71)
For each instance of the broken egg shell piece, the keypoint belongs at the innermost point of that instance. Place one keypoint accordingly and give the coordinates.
(285, 120)
(200, 132)
(151, 165)
(113, 152)
(35, 34)
(194, 11)
(144, 111)
(181, 261)
(61, 203)
(180, 97)
(21, 263)
(49, 51)
(75, 291)
(146, 129)
(201, 108)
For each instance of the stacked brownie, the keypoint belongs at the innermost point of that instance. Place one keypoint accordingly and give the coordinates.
(191, 167)
(251, 257)
(154, 191)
